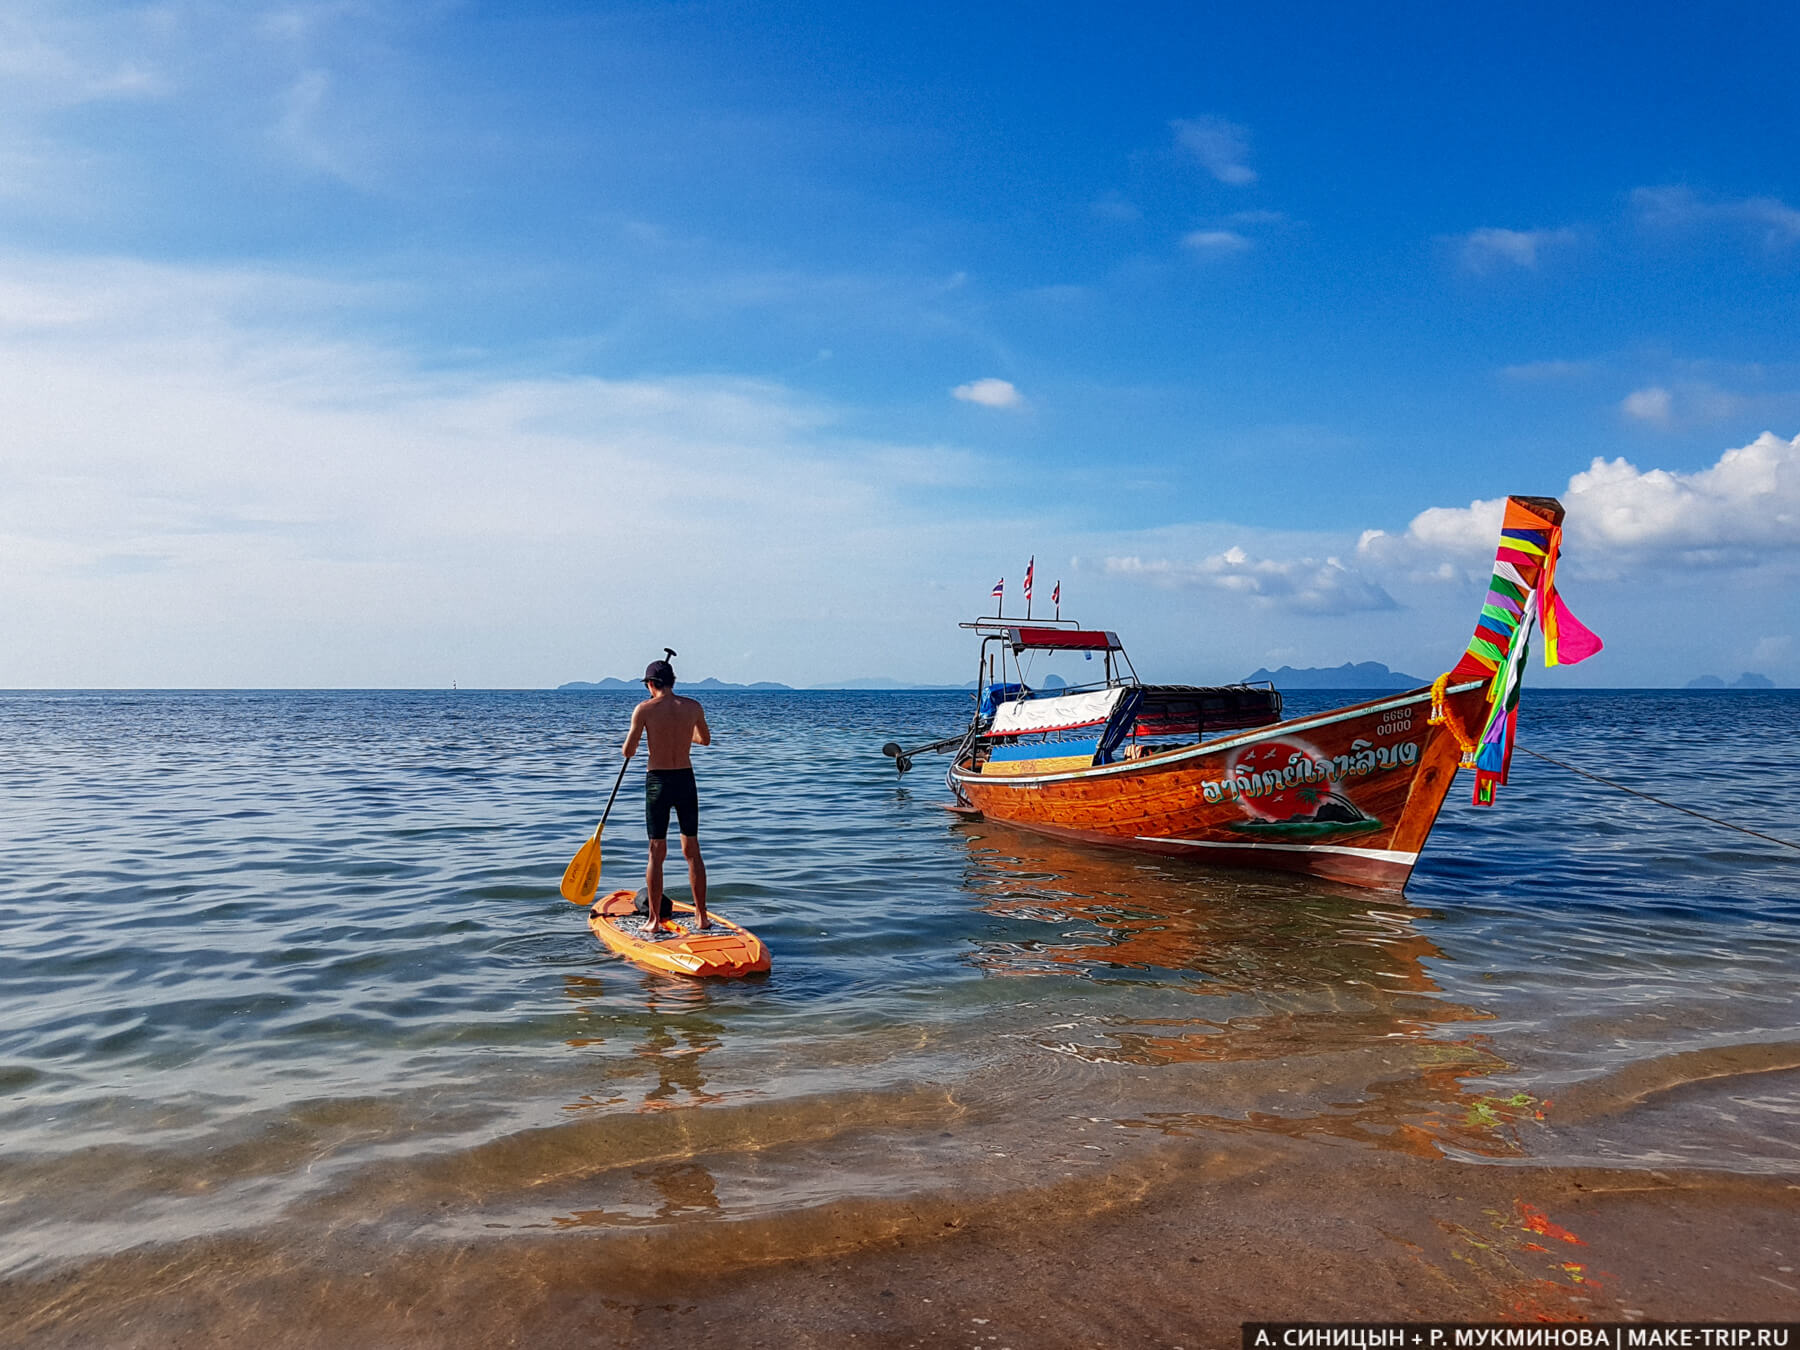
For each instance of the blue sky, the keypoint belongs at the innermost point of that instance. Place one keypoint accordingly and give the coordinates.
(380, 344)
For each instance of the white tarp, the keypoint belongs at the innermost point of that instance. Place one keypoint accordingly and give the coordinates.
(1054, 714)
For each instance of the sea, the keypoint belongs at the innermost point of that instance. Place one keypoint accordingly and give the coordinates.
(274, 962)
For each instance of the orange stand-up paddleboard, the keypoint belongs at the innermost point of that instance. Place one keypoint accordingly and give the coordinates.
(725, 948)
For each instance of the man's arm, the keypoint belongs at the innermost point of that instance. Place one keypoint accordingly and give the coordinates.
(637, 730)
(702, 732)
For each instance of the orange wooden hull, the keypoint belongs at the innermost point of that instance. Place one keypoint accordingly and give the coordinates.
(1349, 795)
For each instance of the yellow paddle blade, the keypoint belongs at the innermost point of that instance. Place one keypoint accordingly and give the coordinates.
(581, 878)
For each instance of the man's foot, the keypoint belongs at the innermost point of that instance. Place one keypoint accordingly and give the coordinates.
(702, 923)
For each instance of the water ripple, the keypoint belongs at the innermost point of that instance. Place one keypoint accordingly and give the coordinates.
(329, 922)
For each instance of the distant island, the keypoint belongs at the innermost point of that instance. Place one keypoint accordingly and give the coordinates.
(1358, 675)
(1748, 680)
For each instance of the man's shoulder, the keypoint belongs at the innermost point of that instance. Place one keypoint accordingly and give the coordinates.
(687, 702)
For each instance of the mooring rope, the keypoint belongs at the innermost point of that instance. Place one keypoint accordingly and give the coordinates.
(1785, 843)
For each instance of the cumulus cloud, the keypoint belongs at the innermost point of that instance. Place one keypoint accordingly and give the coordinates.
(1741, 511)
(1221, 147)
(1772, 221)
(1215, 242)
(989, 393)
(1487, 250)
(1303, 585)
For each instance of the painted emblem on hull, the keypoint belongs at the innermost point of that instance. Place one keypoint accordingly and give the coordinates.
(1290, 790)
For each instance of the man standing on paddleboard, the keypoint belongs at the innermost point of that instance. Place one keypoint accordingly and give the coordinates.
(672, 723)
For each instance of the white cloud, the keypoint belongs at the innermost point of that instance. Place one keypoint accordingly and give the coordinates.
(1655, 405)
(1772, 221)
(1303, 585)
(1221, 147)
(1486, 250)
(989, 393)
(196, 488)
(1215, 242)
(1742, 511)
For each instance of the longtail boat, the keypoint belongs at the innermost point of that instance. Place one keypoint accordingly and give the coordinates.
(1215, 773)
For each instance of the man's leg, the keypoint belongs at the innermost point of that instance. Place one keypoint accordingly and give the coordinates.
(696, 865)
(653, 878)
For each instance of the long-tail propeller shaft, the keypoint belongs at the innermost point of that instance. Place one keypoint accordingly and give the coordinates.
(903, 758)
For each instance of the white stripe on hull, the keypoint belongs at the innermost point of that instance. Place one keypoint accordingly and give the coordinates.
(1388, 855)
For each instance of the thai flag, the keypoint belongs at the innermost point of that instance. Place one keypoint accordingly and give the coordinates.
(1029, 568)
(1056, 594)
(999, 591)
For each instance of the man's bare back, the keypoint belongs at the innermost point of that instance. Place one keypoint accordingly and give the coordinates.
(672, 723)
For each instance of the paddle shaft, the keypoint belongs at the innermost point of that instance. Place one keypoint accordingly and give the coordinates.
(610, 800)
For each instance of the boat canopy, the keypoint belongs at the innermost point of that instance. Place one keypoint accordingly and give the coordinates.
(1063, 712)
(1062, 640)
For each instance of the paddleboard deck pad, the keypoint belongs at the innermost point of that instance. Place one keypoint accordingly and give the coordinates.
(722, 949)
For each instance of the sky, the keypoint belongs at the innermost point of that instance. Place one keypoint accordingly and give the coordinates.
(370, 344)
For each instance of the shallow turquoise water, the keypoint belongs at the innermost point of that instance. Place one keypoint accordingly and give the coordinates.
(276, 954)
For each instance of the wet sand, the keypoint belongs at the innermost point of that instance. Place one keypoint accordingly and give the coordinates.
(1174, 1248)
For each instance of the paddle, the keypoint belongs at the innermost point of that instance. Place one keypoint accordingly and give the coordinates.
(581, 878)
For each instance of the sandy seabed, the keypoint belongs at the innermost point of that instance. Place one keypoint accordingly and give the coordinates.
(1176, 1248)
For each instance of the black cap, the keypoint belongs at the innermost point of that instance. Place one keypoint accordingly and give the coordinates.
(660, 673)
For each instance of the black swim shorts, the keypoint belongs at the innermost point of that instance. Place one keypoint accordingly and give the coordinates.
(667, 790)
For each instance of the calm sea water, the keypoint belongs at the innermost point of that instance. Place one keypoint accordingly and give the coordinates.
(273, 959)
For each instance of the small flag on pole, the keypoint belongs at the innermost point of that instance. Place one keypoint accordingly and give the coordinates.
(999, 594)
(1030, 567)
(1056, 598)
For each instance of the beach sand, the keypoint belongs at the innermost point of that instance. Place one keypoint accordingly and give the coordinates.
(1176, 1247)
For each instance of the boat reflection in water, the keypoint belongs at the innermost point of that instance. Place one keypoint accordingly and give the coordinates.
(1273, 1004)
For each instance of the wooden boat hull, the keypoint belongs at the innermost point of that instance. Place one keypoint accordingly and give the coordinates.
(1349, 795)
